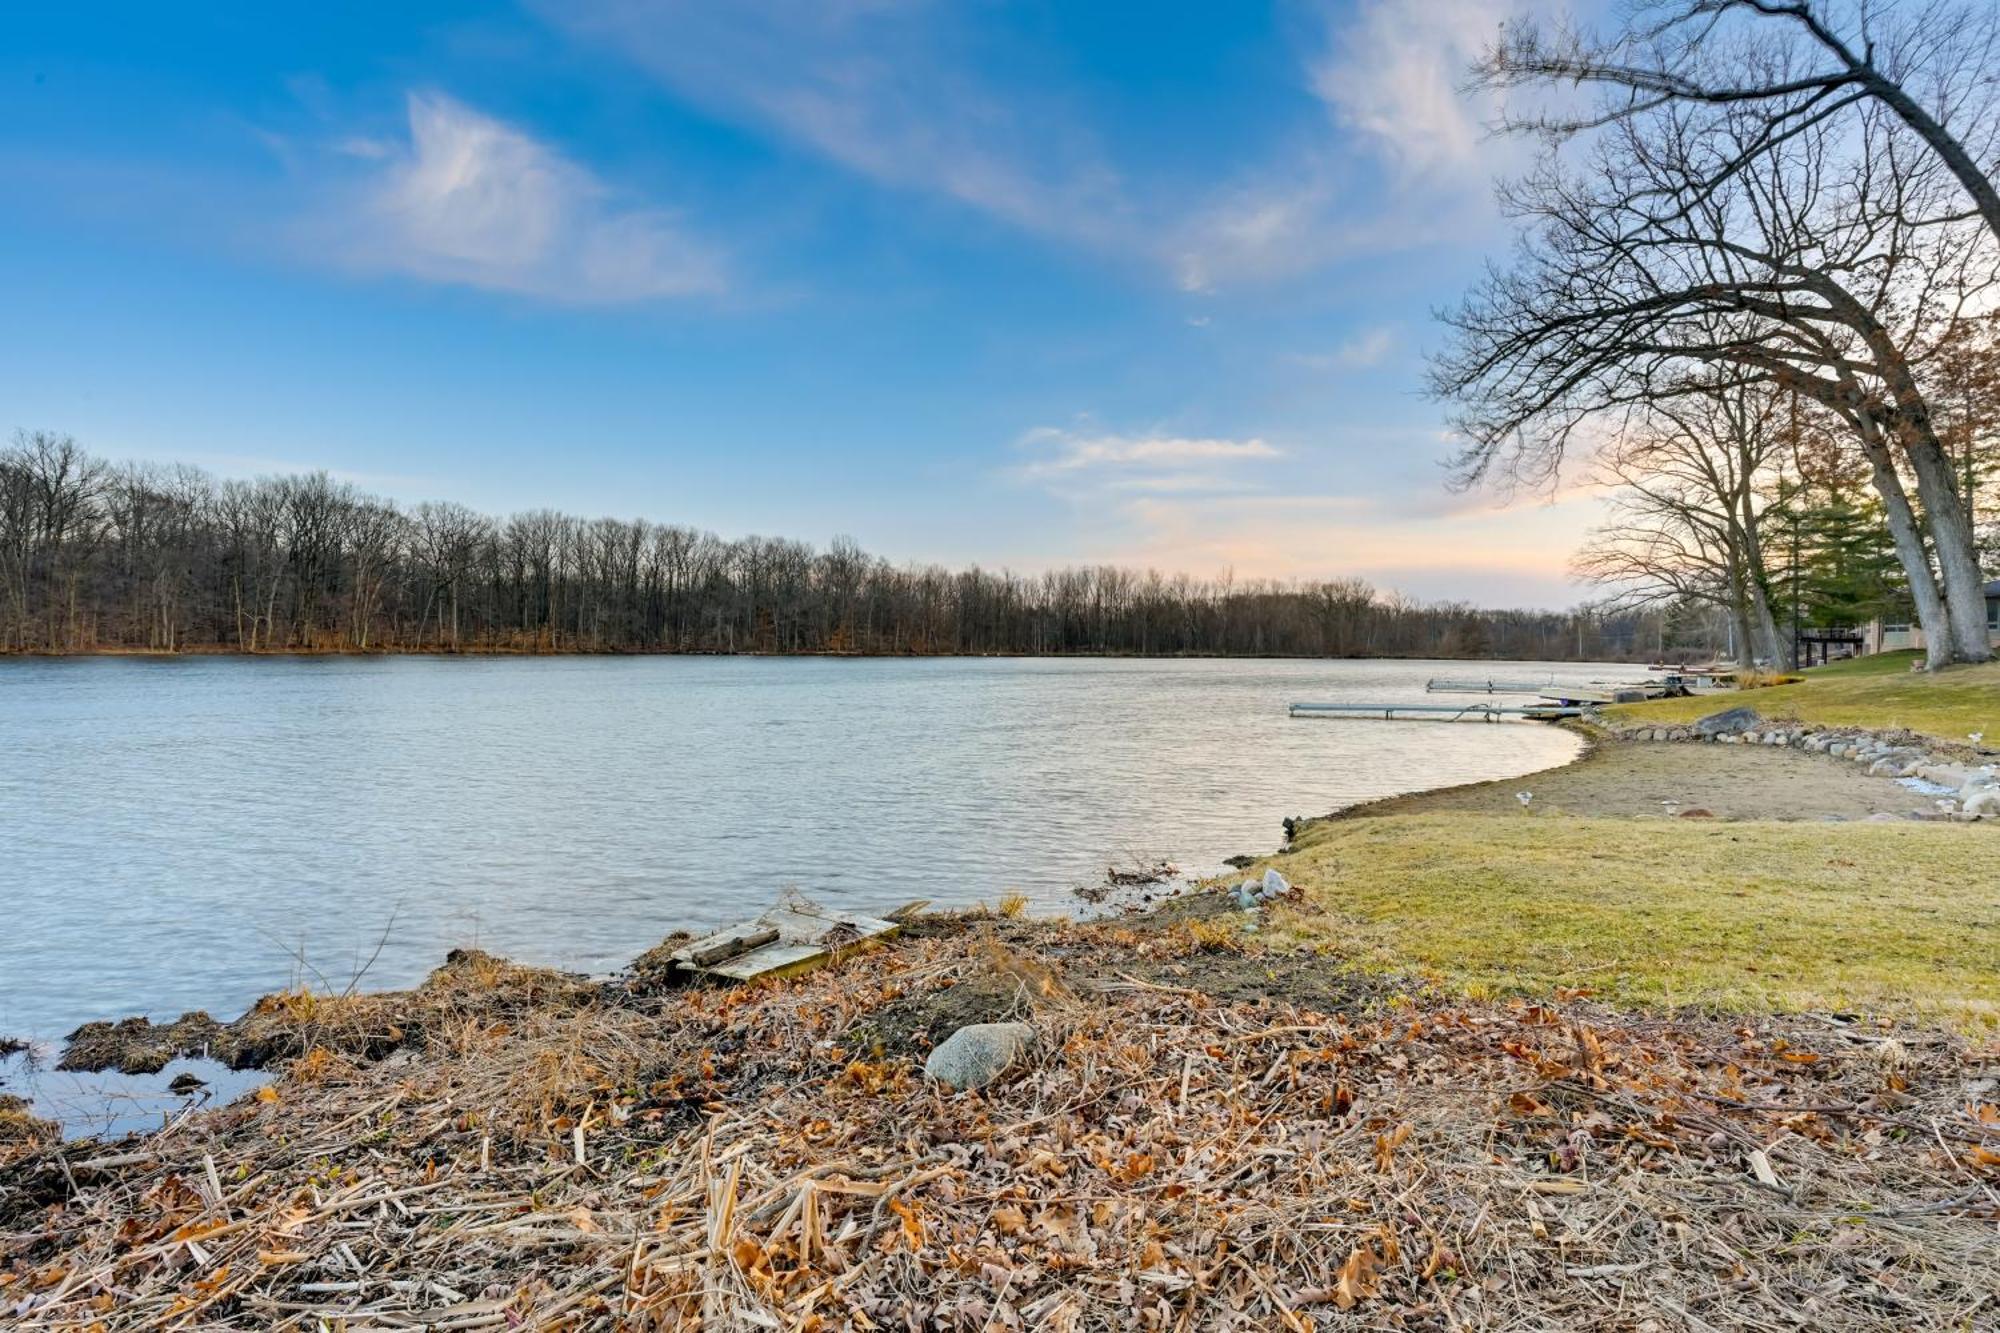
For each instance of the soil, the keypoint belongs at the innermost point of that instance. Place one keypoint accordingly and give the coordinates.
(1639, 779)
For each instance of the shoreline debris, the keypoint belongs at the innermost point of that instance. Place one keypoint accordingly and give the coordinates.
(793, 935)
(1204, 1134)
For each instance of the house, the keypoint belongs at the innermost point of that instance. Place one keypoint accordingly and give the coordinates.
(1884, 636)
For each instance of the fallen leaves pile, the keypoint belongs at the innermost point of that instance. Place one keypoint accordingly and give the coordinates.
(1200, 1140)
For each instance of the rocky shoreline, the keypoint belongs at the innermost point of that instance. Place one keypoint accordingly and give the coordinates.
(1964, 781)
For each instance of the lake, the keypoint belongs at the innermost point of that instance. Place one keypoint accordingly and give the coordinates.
(192, 833)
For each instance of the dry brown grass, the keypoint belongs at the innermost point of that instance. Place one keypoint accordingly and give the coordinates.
(1166, 1159)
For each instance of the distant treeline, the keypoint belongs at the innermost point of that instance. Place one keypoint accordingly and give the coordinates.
(96, 556)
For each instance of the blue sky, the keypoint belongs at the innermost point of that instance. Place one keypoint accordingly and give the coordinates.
(1019, 284)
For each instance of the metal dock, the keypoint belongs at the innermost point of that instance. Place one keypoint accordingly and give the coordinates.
(1440, 712)
(1442, 685)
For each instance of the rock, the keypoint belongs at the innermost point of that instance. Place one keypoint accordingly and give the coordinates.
(1944, 775)
(1984, 803)
(977, 1054)
(1697, 812)
(1729, 722)
(1275, 885)
(1628, 696)
(185, 1085)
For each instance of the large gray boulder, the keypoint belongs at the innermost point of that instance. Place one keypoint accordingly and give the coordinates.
(1729, 722)
(977, 1054)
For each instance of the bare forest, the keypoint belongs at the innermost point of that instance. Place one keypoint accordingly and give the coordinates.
(96, 557)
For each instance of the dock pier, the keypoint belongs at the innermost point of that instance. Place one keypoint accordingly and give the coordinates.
(1482, 712)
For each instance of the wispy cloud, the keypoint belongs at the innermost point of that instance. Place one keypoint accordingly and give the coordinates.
(1062, 451)
(1481, 559)
(888, 89)
(1109, 472)
(1392, 71)
(905, 94)
(1366, 349)
(469, 200)
(1400, 159)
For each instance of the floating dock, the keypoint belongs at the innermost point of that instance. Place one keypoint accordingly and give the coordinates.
(1546, 712)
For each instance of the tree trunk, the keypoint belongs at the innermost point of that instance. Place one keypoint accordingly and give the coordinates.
(1746, 642)
(1964, 606)
(1909, 543)
(1776, 648)
(1951, 537)
(1780, 650)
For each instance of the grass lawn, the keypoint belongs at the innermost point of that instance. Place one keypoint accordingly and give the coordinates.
(1879, 918)
(1877, 692)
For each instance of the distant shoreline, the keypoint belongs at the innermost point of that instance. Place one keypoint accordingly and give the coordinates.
(223, 650)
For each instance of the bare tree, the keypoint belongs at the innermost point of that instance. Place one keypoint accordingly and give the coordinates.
(1824, 265)
(1690, 475)
(1930, 65)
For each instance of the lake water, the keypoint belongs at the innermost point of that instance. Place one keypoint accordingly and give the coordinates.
(179, 834)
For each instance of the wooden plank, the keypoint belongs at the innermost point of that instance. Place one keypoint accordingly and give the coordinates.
(726, 944)
(771, 960)
(793, 935)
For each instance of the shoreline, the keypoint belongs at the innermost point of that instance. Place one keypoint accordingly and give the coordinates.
(510, 1146)
(1597, 742)
(223, 650)
(138, 1046)
(532, 1151)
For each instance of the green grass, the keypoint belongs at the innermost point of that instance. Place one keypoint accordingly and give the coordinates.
(1877, 692)
(1878, 918)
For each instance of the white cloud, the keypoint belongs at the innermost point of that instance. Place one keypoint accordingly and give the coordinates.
(1405, 161)
(1393, 72)
(470, 200)
(889, 90)
(1065, 451)
(904, 93)
(1370, 347)
(901, 93)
